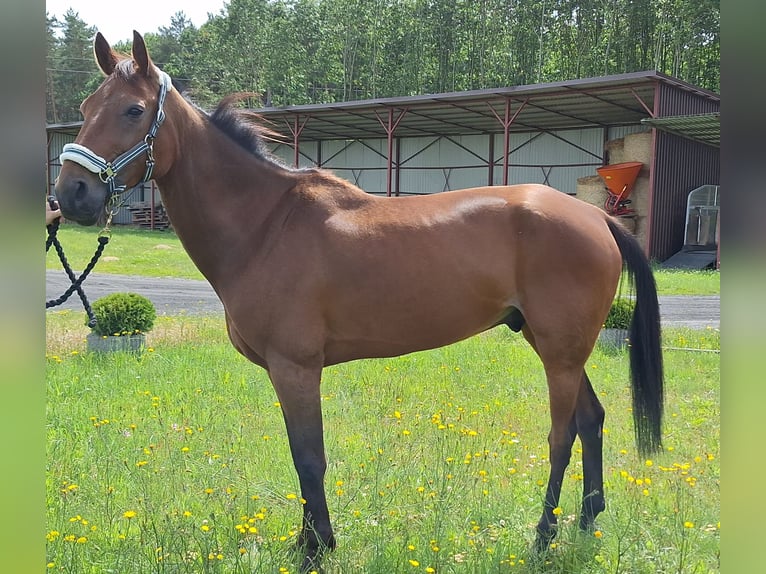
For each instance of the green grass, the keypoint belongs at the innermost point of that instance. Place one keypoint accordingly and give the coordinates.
(160, 254)
(164, 462)
(129, 252)
(685, 282)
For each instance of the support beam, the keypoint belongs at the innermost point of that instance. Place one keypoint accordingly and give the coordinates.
(389, 124)
(652, 169)
(296, 128)
(491, 162)
(506, 122)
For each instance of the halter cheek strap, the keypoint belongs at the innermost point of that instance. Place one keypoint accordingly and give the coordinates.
(107, 170)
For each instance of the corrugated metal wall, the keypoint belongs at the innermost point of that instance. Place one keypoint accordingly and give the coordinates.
(680, 166)
(435, 164)
(556, 158)
(56, 144)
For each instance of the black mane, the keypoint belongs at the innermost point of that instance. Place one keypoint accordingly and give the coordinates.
(244, 127)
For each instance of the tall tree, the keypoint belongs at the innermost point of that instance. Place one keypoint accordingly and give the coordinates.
(307, 51)
(73, 71)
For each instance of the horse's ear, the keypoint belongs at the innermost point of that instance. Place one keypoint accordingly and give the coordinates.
(105, 56)
(140, 55)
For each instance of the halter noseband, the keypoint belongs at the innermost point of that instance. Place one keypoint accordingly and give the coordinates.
(107, 170)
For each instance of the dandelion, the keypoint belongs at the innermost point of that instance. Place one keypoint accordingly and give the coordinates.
(557, 511)
(598, 534)
(129, 514)
(649, 463)
(414, 563)
(688, 524)
(291, 496)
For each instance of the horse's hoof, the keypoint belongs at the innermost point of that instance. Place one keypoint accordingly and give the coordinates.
(311, 565)
(313, 550)
(544, 539)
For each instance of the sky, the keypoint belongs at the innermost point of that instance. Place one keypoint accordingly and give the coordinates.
(117, 20)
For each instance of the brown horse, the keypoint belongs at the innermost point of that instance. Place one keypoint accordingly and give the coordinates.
(313, 271)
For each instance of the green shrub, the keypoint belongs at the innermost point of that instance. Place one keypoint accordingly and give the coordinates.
(123, 314)
(620, 314)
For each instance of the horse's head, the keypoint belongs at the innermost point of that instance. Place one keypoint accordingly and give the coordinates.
(115, 148)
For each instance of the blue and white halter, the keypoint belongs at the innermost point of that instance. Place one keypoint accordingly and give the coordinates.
(107, 170)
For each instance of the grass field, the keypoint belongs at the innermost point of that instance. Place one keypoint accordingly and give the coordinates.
(176, 460)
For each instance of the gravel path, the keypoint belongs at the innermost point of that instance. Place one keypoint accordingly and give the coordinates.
(193, 297)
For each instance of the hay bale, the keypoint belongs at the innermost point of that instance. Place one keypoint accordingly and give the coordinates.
(638, 147)
(591, 190)
(639, 196)
(615, 151)
(629, 222)
(640, 232)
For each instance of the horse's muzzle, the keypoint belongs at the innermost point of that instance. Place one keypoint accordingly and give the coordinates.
(80, 198)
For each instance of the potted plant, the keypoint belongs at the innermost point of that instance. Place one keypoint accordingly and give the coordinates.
(122, 319)
(614, 334)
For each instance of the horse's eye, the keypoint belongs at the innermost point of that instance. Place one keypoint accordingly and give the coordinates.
(135, 111)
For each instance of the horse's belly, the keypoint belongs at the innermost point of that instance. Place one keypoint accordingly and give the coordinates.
(391, 331)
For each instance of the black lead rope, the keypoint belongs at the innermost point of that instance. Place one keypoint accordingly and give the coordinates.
(77, 282)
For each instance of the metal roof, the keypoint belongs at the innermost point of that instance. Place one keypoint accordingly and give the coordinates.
(621, 99)
(705, 128)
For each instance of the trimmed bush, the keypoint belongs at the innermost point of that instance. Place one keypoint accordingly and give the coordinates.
(123, 314)
(620, 314)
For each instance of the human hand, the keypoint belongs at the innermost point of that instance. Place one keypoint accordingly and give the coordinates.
(52, 212)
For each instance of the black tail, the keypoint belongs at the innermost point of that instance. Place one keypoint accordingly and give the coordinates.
(645, 350)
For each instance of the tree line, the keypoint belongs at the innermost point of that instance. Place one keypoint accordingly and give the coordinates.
(320, 51)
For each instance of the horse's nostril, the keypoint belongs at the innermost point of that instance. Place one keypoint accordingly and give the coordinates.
(80, 189)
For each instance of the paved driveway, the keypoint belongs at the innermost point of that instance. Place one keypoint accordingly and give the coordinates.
(174, 296)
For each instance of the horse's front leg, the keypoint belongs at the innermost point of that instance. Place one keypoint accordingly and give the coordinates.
(298, 390)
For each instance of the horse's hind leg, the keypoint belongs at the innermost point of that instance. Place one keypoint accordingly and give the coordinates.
(590, 423)
(564, 379)
(563, 398)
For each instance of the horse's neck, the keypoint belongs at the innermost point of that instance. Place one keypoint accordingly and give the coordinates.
(219, 196)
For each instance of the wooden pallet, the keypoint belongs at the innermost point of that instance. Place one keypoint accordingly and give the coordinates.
(141, 214)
